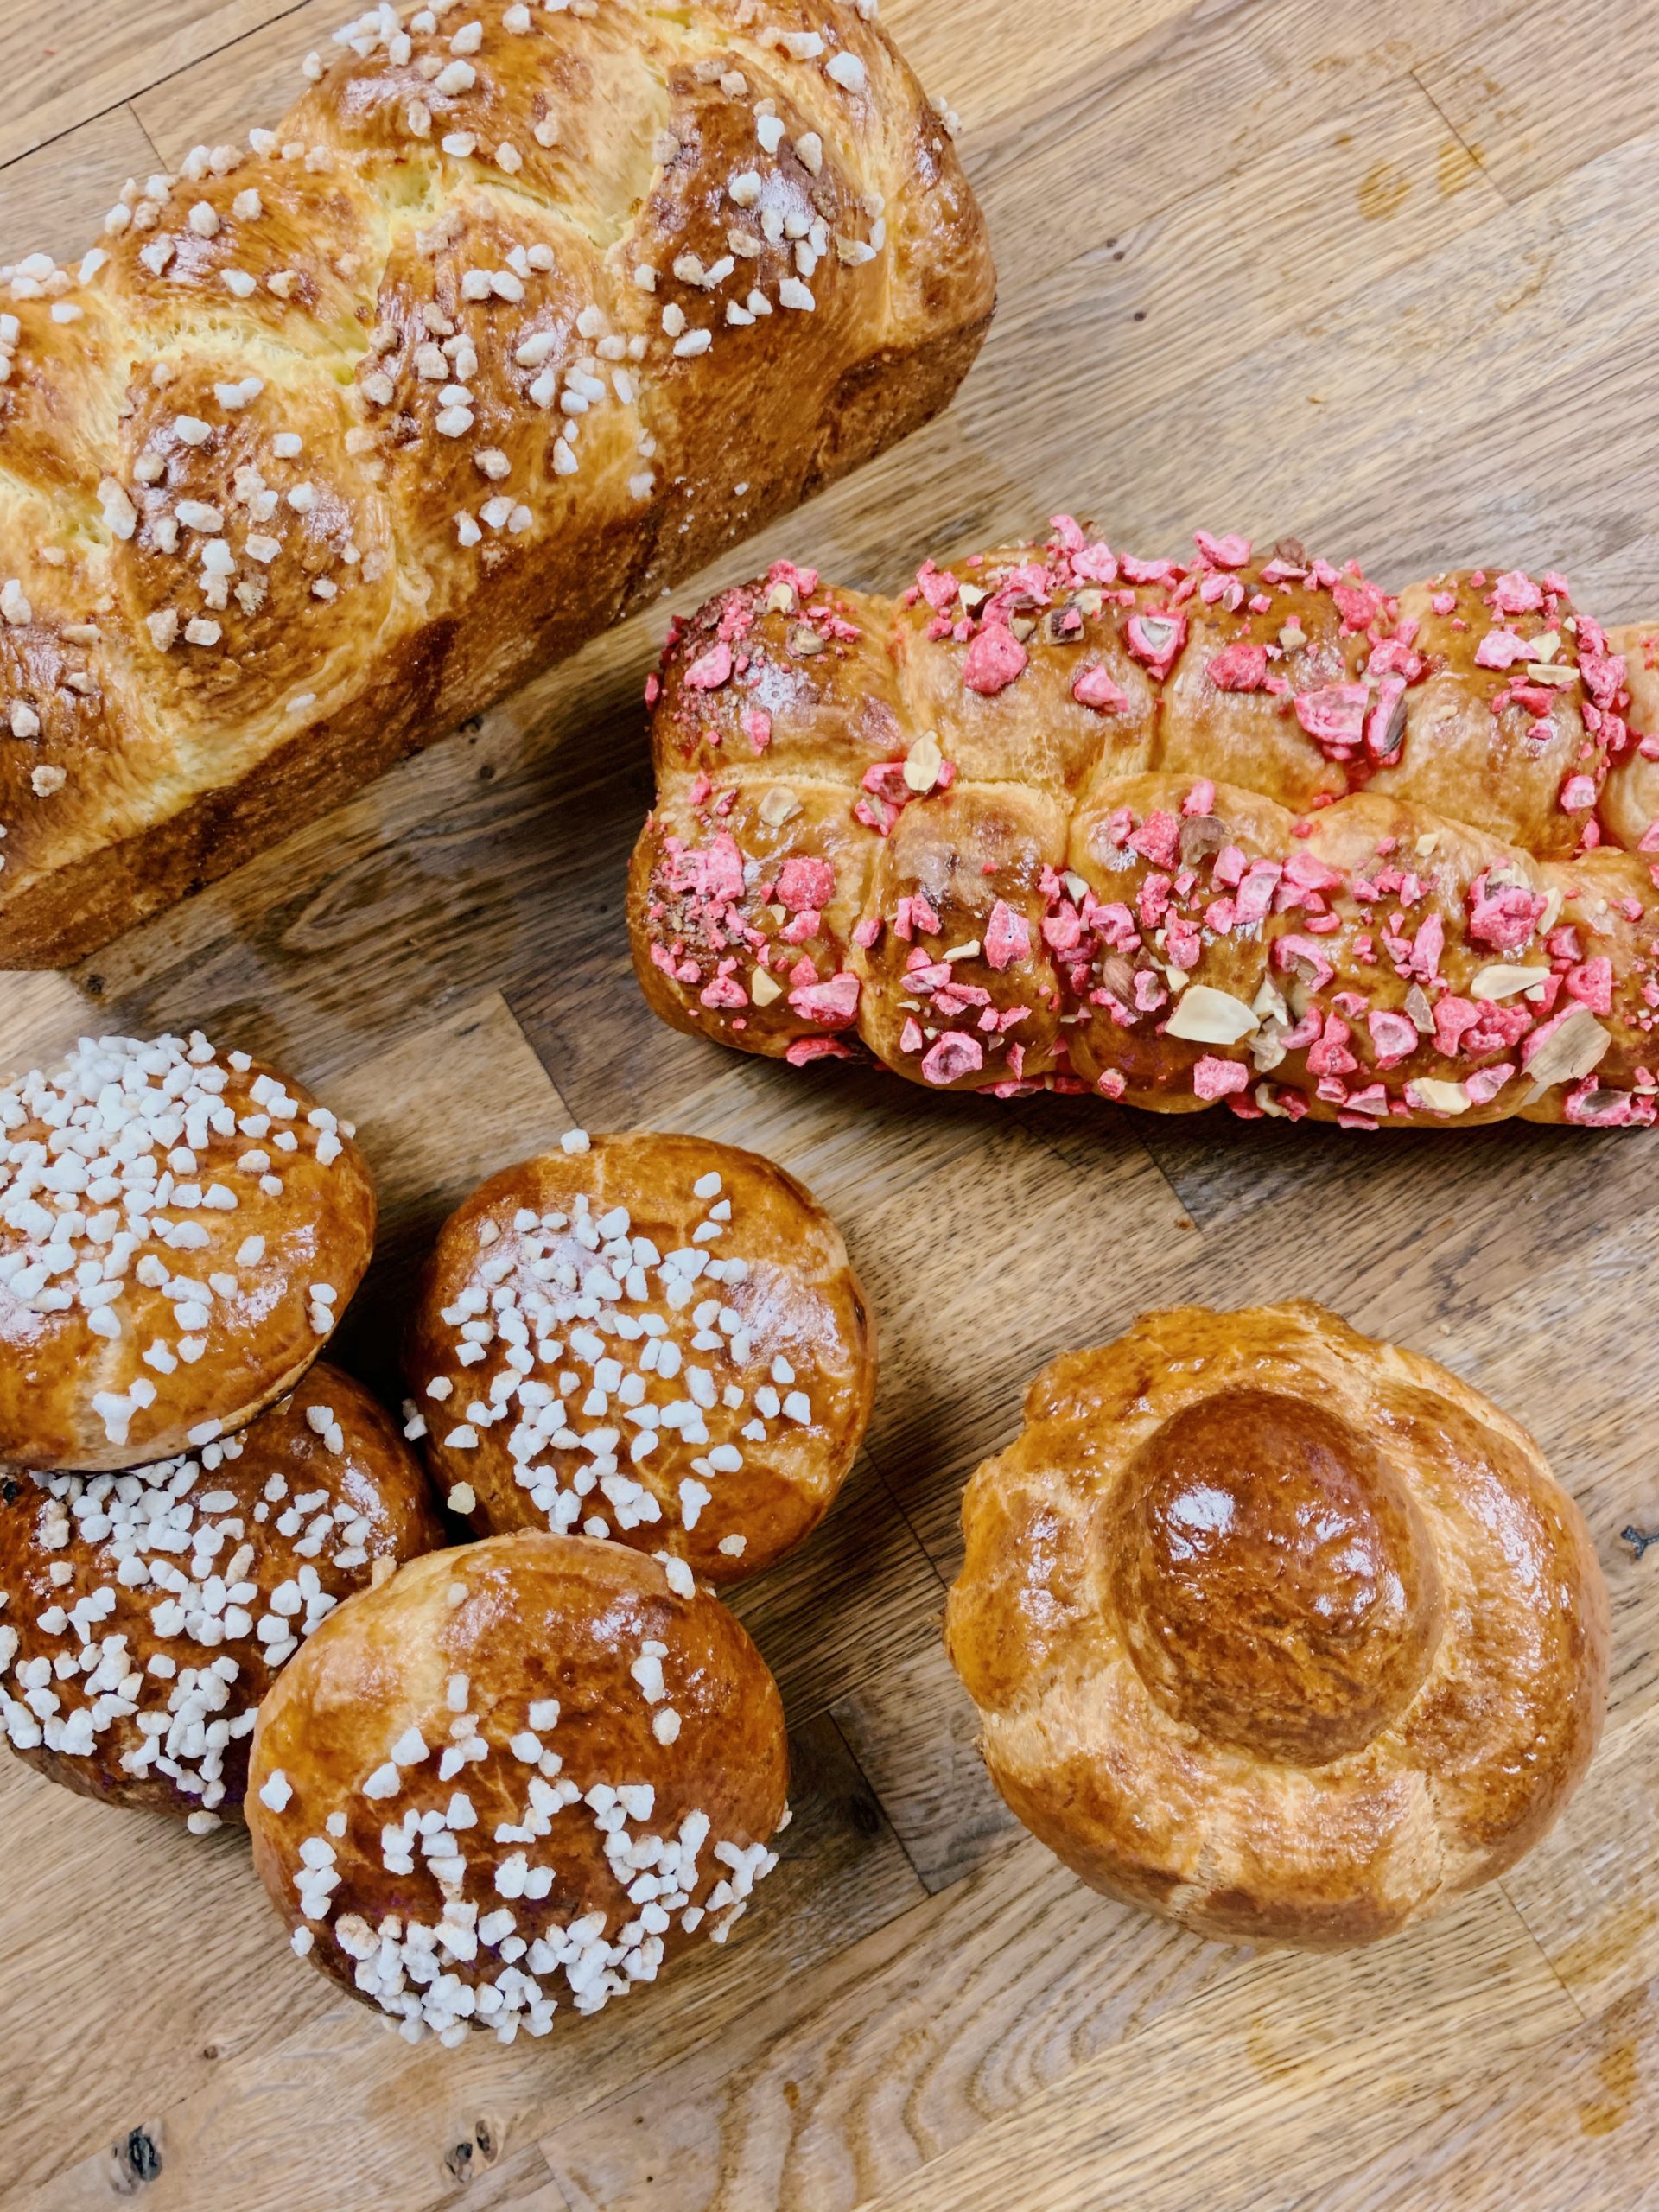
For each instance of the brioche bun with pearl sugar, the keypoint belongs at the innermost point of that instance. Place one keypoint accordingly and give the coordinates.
(655, 1338)
(517, 1776)
(1285, 1634)
(180, 1229)
(143, 1615)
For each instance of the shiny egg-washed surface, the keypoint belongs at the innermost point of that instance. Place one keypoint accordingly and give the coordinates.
(181, 1230)
(1286, 1635)
(516, 317)
(143, 1615)
(1246, 828)
(647, 1337)
(520, 1774)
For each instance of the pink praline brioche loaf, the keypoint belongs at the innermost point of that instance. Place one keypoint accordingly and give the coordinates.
(1241, 829)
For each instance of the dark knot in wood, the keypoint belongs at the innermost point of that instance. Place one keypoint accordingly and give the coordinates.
(137, 2161)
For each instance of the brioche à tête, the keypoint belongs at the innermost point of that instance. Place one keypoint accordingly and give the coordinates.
(1286, 1635)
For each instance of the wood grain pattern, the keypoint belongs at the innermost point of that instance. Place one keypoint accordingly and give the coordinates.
(1598, 81)
(1388, 277)
(1313, 2044)
(69, 62)
(914, 1730)
(1570, 2124)
(923, 2118)
(56, 197)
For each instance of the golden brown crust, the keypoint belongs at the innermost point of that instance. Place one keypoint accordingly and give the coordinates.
(1284, 1634)
(333, 440)
(1237, 829)
(537, 1749)
(181, 1230)
(653, 1338)
(192, 1581)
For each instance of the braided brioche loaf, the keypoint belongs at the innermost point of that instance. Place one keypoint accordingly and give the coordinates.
(1239, 829)
(522, 314)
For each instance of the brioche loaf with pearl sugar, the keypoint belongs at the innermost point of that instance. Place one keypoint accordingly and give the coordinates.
(522, 314)
(181, 1230)
(143, 1615)
(1245, 828)
(1285, 1634)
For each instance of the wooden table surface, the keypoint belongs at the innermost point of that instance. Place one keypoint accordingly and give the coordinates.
(1384, 277)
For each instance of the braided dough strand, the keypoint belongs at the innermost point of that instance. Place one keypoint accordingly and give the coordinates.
(517, 318)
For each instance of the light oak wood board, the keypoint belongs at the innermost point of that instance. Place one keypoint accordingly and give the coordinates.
(1387, 278)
